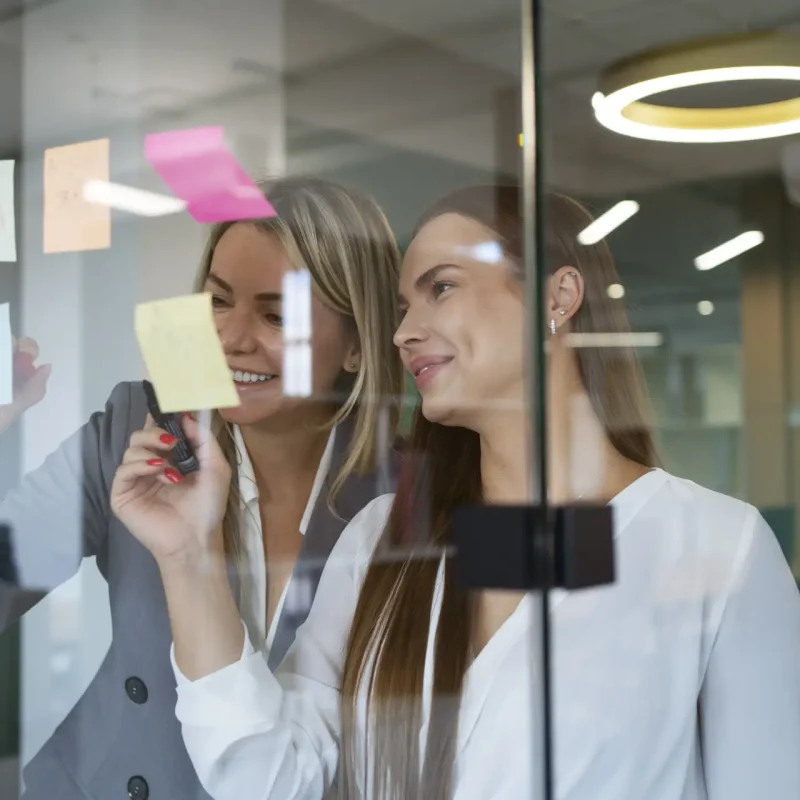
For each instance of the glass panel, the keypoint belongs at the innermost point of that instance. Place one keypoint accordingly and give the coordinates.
(673, 383)
(134, 130)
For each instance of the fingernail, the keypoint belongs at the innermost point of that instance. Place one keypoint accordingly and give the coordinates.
(168, 438)
(190, 415)
(155, 462)
(173, 475)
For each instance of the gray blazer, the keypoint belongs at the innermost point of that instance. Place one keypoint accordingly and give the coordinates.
(122, 739)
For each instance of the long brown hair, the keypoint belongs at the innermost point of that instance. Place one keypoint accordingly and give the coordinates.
(441, 471)
(343, 239)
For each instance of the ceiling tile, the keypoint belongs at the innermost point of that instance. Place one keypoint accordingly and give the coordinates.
(645, 26)
(583, 9)
(424, 16)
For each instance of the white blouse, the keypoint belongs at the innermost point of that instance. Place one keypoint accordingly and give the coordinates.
(705, 613)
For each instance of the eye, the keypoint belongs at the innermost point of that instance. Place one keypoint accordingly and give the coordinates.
(274, 319)
(218, 302)
(438, 288)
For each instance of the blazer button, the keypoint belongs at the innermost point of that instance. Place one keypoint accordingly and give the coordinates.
(138, 788)
(136, 690)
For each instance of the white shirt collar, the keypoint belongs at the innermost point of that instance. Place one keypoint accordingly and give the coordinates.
(247, 479)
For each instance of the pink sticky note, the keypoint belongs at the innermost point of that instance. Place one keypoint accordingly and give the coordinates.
(198, 167)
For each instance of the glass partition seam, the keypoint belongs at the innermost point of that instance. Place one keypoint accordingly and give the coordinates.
(542, 549)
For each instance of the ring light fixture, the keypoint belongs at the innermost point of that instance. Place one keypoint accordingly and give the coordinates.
(619, 106)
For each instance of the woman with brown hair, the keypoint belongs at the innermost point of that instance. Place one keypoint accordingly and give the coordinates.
(680, 681)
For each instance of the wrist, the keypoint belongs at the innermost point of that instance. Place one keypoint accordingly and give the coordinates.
(198, 563)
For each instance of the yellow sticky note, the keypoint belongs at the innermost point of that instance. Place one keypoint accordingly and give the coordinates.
(183, 354)
(70, 223)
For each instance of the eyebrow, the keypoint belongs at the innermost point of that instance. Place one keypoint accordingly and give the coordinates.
(225, 286)
(428, 276)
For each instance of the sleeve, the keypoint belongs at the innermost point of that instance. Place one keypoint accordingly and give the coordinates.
(59, 513)
(750, 697)
(252, 734)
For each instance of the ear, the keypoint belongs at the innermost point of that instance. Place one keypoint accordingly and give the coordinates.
(564, 295)
(352, 360)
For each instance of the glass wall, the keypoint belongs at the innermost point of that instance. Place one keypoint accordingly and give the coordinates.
(616, 410)
(405, 102)
(651, 119)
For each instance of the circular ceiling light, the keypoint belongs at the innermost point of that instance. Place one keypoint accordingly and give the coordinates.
(748, 57)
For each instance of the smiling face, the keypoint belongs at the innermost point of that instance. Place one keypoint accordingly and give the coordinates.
(245, 281)
(463, 325)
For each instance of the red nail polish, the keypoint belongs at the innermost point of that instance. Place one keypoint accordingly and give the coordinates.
(191, 416)
(173, 475)
(155, 462)
(168, 438)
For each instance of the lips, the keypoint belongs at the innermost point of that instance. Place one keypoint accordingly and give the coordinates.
(421, 364)
(426, 368)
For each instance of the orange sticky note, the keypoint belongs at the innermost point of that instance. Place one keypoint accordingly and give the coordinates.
(70, 223)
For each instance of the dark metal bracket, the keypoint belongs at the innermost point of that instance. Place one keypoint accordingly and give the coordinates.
(534, 547)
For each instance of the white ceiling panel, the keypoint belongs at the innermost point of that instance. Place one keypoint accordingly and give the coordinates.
(375, 68)
(571, 47)
(646, 25)
(428, 16)
(581, 9)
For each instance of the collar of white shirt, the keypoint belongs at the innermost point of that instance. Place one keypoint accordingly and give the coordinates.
(247, 479)
(253, 571)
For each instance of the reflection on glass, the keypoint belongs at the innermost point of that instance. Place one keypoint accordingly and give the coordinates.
(693, 641)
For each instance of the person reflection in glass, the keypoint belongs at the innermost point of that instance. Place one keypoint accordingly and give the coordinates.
(679, 681)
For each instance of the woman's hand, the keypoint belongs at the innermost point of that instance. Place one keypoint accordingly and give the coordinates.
(175, 517)
(30, 382)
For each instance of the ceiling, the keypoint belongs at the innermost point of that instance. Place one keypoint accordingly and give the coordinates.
(420, 75)
(348, 86)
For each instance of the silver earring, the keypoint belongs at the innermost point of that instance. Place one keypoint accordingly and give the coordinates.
(553, 327)
(561, 311)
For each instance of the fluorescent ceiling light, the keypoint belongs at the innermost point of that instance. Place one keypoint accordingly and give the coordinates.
(488, 252)
(616, 291)
(607, 222)
(728, 250)
(705, 308)
(615, 339)
(134, 201)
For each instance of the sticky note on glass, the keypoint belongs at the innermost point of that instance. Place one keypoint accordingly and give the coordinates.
(199, 169)
(6, 357)
(8, 235)
(183, 354)
(70, 223)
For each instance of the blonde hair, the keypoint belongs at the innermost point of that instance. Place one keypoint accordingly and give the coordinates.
(343, 239)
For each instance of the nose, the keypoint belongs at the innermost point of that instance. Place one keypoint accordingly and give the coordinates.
(410, 331)
(237, 331)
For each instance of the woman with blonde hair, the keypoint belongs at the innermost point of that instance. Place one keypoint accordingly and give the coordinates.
(297, 469)
(678, 682)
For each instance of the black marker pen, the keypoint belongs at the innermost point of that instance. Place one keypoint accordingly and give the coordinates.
(182, 454)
